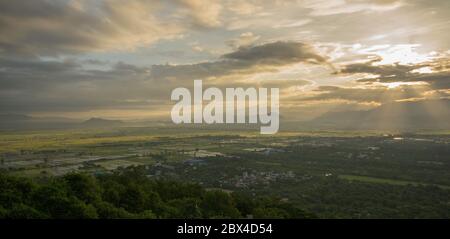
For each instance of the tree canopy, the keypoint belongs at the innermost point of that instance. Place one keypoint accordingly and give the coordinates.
(128, 193)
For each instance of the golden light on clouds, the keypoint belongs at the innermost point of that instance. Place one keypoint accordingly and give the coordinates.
(392, 85)
(121, 59)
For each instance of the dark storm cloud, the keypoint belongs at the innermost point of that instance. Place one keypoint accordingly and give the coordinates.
(383, 70)
(439, 78)
(276, 53)
(249, 60)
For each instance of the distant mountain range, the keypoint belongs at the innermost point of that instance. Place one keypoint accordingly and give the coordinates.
(23, 122)
(404, 116)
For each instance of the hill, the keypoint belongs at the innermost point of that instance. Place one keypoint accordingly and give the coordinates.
(25, 122)
(101, 123)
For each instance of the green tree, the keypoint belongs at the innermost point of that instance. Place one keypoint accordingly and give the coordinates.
(22, 211)
(217, 204)
(85, 187)
(186, 208)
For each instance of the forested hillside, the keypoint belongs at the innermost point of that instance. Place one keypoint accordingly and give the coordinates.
(128, 193)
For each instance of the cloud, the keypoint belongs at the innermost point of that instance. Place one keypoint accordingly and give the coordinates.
(333, 7)
(244, 40)
(277, 53)
(203, 13)
(243, 7)
(438, 76)
(292, 23)
(37, 85)
(388, 83)
(78, 55)
(51, 28)
(379, 94)
(67, 85)
(382, 70)
(245, 60)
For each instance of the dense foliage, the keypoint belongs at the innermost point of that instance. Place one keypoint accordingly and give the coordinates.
(129, 193)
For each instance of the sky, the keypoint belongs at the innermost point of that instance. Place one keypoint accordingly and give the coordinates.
(121, 59)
